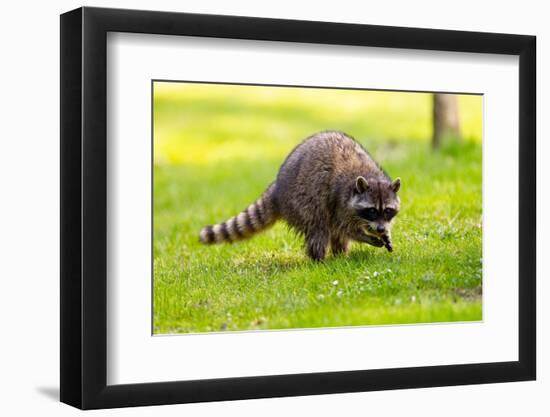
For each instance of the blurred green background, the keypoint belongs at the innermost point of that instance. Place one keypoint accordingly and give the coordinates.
(216, 149)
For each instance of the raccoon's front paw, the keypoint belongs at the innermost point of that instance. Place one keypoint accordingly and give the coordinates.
(372, 240)
(316, 245)
(387, 243)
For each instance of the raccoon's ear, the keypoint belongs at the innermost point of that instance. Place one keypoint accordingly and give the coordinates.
(361, 185)
(396, 185)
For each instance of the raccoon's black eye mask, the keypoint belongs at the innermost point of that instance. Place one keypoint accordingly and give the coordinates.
(373, 214)
(389, 213)
(370, 214)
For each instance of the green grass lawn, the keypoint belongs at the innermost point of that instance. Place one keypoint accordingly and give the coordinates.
(216, 150)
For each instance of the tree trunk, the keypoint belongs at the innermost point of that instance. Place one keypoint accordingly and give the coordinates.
(446, 123)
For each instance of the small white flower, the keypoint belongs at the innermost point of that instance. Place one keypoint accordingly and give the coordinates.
(340, 293)
(321, 297)
(335, 282)
(388, 271)
(413, 298)
(375, 273)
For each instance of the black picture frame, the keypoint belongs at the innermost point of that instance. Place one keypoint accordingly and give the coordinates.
(84, 207)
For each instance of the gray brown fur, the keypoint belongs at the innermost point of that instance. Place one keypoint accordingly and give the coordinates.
(324, 190)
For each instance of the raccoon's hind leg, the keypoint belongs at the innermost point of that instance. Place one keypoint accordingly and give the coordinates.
(339, 245)
(316, 244)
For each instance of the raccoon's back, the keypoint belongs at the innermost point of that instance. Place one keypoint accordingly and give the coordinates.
(313, 164)
(307, 178)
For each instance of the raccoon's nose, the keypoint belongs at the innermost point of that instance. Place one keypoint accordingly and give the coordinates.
(380, 228)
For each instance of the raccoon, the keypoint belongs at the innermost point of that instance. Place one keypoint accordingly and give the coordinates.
(329, 190)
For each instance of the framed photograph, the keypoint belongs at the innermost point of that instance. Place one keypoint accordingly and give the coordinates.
(257, 207)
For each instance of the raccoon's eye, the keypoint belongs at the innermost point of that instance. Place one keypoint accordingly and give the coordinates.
(389, 213)
(369, 214)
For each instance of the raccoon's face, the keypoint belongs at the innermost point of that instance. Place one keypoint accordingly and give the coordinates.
(375, 203)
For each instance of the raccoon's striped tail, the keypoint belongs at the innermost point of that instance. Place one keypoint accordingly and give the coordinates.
(259, 216)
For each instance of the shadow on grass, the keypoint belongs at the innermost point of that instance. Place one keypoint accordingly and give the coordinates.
(272, 263)
(360, 254)
(297, 261)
